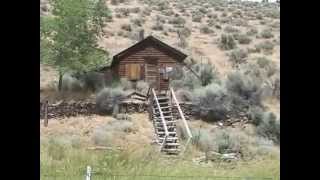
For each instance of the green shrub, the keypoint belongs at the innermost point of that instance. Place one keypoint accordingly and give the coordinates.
(256, 115)
(245, 90)
(206, 30)
(243, 39)
(138, 21)
(135, 10)
(147, 11)
(184, 95)
(239, 22)
(259, 16)
(203, 10)
(185, 31)
(224, 14)
(114, 2)
(276, 90)
(158, 26)
(177, 20)
(208, 74)
(213, 16)
(201, 139)
(225, 143)
(196, 18)
(266, 46)
(142, 87)
(231, 29)
(212, 102)
(267, 34)
(124, 12)
(270, 127)
(273, 14)
(252, 32)
(108, 98)
(217, 26)
(227, 42)
(93, 81)
(225, 20)
(126, 27)
(125, 84)
(238, 56)
(120, 33)
(263, 62)
(176, 73)
(71, 84)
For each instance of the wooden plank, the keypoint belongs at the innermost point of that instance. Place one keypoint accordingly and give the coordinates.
(46, 114)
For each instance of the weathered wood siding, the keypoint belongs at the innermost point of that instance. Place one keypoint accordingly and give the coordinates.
(139, 57)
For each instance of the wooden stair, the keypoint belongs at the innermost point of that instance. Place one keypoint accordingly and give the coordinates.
(164, 124)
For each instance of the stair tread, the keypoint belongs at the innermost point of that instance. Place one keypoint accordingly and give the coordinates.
(164, 132)
(172, 144)
(168, 122)
(162, 107)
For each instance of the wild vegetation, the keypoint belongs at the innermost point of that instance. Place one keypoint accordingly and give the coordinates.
(239, 78)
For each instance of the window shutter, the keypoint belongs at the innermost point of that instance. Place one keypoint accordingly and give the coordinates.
(134, 71)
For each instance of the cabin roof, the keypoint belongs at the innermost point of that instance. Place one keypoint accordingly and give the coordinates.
(179, 56)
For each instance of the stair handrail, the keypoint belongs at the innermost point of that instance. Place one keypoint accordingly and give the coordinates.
(161, 114)
(182, 116)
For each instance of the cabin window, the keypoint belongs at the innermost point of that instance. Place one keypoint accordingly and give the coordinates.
(134, 71)
(165, 72)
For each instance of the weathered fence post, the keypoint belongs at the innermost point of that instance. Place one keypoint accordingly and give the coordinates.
(46, 113)
(88, 174)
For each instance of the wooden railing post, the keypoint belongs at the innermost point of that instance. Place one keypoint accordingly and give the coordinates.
(88, 173)
(182, 116)
(46, 114)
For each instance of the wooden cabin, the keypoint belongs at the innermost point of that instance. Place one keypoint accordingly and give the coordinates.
(149, 60)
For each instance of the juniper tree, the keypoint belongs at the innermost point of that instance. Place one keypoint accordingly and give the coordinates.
(68, 38)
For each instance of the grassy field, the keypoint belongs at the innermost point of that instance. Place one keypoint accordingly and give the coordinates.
(66, 162)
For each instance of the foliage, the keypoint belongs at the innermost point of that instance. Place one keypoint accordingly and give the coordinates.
(177, 20)
(270, 127)
(256, 115)
(267, 34)
(126, 27)
(71, 84)
(196, 18)
(227, 42)
(231, 29)
(185, 31)
(93, 81)
(243, 39)
(212, 102)
(266, 46)
(142, 87)
(238, 56)
(252, 31)
(108, 98)
(206, 30)
(69, 38)
(245, 90)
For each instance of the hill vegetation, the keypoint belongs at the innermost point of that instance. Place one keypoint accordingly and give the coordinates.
(234, 47)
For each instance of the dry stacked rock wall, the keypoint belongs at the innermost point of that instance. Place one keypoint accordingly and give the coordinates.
(68, 109)
(74, 108)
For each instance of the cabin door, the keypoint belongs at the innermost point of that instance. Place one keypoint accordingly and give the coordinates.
(164, 77)
(152, 73)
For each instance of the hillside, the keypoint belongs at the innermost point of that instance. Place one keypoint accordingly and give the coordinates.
(239, 41)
